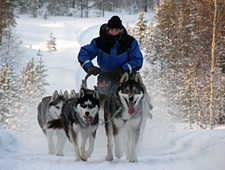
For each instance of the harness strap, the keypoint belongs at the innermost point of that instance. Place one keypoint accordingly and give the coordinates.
(115, 113)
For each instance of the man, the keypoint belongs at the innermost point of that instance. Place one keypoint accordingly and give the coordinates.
(116, 51)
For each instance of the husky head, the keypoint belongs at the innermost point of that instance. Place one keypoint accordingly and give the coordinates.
(57, 101)
(130, 91)
(87, 105)
(73, 94)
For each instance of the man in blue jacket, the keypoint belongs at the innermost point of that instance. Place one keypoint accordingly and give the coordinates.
(116, 51)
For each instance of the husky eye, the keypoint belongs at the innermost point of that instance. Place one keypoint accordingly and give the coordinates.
(126, 90)
(91, 105)
(57, 107)
(82, 105)
(135, 90)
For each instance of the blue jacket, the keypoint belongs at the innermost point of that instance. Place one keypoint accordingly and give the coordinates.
(124, 52)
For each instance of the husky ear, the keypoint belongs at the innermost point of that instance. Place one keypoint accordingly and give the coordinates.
(124, 78)
(95, 94)
(81, 93)
(138, 78)
(55, 95)
(66, 95)
(72, 94)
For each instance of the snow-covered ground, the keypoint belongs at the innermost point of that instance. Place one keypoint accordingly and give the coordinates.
(163, 146)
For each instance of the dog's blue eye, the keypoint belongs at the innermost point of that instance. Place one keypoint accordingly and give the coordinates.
(91, 105)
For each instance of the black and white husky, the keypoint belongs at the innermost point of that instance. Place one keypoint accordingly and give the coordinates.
(48, 109)
(80, 114)
(124, 109)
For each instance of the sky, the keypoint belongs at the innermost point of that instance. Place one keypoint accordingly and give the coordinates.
(165, 145)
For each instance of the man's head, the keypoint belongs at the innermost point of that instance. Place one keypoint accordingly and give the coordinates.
(115, 26)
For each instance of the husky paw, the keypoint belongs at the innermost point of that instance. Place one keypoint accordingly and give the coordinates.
(59, 154)
(133, 159)
(109, 157)
(83, 157)
(88, 154)
(118, 153)
(77, 159)
(51, 152)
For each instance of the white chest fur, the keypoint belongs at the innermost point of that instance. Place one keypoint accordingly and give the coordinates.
(126, 120)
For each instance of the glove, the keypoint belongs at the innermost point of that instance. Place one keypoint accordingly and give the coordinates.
(118, 70)
(94, 70)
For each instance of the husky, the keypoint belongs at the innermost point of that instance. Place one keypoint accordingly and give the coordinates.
(80, 114)
(49, 109)
(124, 112)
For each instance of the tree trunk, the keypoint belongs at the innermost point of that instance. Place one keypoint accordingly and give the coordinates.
(211, 110)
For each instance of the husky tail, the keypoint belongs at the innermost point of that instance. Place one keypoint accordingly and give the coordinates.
(54, 124)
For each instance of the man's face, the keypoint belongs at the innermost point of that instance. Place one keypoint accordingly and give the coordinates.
(114, 31)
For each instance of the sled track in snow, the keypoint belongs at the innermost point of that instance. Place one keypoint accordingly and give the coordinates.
(88, 34)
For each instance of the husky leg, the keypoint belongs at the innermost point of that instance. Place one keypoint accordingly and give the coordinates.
(61, 140)
(109, 133)
(128, 143)
(117, 141)
(51, 145)
(134, 145)
(74, 139)
(84, 137)
(91, 144)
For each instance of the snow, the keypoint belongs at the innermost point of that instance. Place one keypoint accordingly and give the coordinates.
(165, 145)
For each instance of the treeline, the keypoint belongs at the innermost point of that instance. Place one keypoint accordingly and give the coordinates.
(81, 7)
(20, 92)
(185, 49)
(21, 87)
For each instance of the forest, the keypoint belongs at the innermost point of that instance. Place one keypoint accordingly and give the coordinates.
(184, 48)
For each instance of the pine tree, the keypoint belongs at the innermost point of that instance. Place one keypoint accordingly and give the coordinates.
(7, 17)
(9, 98)
(180, 44)
(129, 29)
(41, 78)
(32, 82)
(140, 27)
(51, 43)
(34, 6)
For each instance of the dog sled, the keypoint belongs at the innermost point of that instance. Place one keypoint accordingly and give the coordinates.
(124, 108)
(107, 82)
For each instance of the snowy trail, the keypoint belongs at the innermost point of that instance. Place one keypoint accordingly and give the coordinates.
(161, 147)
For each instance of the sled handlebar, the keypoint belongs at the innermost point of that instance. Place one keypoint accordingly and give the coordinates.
(84, 81)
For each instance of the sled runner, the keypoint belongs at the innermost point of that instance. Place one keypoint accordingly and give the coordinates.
(107, 82)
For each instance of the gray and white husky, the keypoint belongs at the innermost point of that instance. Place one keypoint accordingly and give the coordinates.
(124, 111)
(80, 115)
(49, 109)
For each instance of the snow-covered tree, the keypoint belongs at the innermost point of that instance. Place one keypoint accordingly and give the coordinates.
(34, 6)
(140, 27)
(7, 17)
(41, 78)
(58, 7)
(129, 29)
(171, 46)
(29, 92)
(9, 98)
(51, 43)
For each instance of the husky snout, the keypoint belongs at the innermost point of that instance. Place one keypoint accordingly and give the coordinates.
(87, 113)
